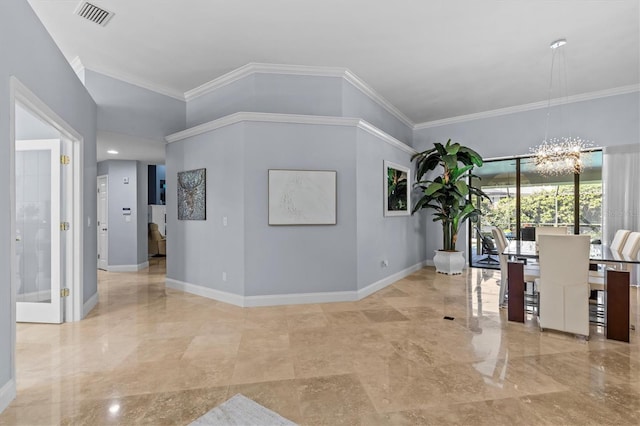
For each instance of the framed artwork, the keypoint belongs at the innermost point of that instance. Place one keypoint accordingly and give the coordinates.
(192, 195)
(302, 197)
(397, 198)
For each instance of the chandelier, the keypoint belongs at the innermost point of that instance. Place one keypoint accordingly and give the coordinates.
(561, 155)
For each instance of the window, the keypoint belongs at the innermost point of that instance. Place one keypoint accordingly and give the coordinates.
(522, 199)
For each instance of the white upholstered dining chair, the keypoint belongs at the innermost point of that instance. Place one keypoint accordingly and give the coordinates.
(530, 273)
(550, 230)
(564, 283)
(631, 245)
(619, 239)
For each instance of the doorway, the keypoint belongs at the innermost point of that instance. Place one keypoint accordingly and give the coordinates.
(46, 212)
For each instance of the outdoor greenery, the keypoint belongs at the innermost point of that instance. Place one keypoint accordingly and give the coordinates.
(448, 194)
(540, 208)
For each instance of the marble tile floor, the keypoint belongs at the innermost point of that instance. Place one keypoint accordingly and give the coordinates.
(156, 356)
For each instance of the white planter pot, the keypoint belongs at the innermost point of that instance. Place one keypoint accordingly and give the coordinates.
(449, 262)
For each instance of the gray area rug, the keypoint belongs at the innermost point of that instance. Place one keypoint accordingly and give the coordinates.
(241, 411)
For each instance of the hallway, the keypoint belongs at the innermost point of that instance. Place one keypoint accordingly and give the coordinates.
(150, 355)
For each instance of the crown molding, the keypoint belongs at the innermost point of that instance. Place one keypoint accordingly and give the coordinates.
(360, 84)
(77, 66)
(531, 106)
(260, 68)
(265, 117)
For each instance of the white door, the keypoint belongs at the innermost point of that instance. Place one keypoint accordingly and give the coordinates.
(103, 202)
(38, 250)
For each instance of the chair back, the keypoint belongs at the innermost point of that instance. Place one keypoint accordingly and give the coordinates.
(550, 230)
(619, 239)
(564, 283)
(632, 245)
(501, 245)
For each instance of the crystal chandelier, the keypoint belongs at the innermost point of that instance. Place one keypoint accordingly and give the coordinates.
(563, 155)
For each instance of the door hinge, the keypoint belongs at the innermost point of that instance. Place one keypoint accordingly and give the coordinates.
(64, 292)
(64, 226)
(98, 255)
(65, 159)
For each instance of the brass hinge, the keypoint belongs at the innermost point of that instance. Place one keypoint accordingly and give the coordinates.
(64, 292)
(65, 159)
(64, 226)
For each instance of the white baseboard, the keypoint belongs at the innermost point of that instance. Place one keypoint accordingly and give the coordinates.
(89, 305)
(222, 296)
(429, 262)
(300, 298)
(379, 285)
(128, 268)
(291, 298)
(7, 394)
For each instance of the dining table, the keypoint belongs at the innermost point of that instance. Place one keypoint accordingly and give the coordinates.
(616, 284)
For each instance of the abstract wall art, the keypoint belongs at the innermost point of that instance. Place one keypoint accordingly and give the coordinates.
(192, 195)
(302, 197)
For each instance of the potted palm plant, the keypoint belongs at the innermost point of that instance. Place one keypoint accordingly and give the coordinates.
(448, 195)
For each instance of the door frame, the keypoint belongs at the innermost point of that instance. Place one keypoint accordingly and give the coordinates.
(105, 177)
(19, 93)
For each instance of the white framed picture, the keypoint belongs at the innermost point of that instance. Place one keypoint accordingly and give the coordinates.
(397, 189)
(302, 197)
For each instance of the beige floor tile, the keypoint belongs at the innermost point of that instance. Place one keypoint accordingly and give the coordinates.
(157, 356)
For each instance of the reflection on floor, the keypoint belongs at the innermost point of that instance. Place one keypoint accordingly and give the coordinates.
(157, 356)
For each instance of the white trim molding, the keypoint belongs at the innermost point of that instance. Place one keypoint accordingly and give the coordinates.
(209, 293)
(303, 70)
(379, 285)
(361, 85)
(266, 117)
(7, 394)
(292, 298)
(78, 66)
(529, 107)
(89, 305)
(128, 268)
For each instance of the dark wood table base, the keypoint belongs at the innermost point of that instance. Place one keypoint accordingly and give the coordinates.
(616, 300)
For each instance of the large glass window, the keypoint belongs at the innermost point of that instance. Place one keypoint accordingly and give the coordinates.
(522, 199)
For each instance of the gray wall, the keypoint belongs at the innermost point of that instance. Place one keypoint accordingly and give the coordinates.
(29, 53)
(606, 121)
(357, 104)
(229, 99)
(269, 260)
(142, 209)
(299, 259)
(199, 251)
(123, 235)
(400, 240)
(295, 94)
(131, 110)
(276, 93)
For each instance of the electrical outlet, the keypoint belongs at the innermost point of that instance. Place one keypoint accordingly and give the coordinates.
(224, 276)
(384, 263)
(224, 221)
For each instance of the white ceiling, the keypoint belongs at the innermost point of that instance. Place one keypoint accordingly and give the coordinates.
(431, 59)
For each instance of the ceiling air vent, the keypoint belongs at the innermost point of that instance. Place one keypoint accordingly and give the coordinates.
(93, 13)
